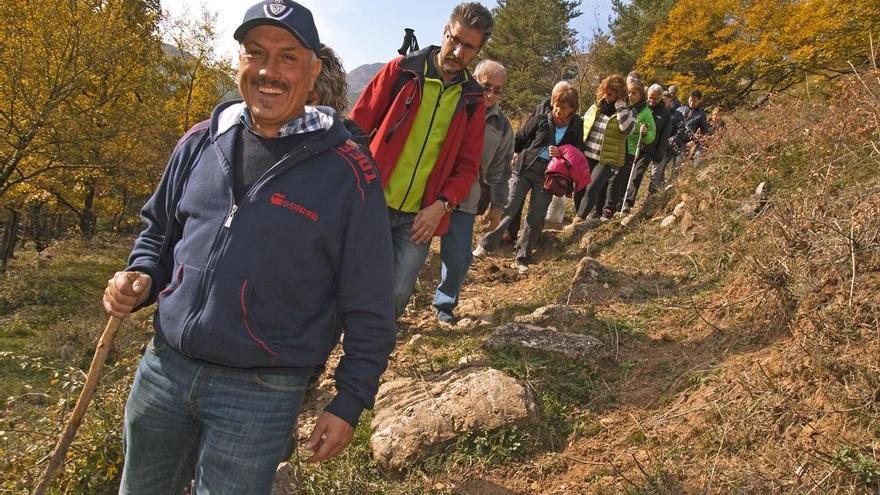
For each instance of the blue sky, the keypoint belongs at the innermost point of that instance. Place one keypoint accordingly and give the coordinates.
(364, 32)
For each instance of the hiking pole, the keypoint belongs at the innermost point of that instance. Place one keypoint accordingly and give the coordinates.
(633, 168)
(410, 44)
(56, 458)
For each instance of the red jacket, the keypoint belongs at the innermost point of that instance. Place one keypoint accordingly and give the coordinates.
(459, 160)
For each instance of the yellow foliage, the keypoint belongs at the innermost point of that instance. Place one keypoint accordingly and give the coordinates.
(731, 48)
(89, 104)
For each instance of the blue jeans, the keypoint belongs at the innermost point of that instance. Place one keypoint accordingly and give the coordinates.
(617, 185)
(409, 258)
(227, 429)
(455, 257)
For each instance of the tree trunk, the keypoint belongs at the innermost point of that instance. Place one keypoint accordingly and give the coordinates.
(57, 225)
(10, 236)
(88, 220)
(123, 209)
(37, 226)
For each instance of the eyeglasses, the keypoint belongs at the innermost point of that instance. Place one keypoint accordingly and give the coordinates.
(459, 43)
(488, 88)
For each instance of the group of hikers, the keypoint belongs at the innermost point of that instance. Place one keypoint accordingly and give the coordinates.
(601, 157)
(282, 226)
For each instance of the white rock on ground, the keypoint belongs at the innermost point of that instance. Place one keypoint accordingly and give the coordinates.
(558, 315)
(680, 209)
(687, 221)
(567, 344)
(415, 417)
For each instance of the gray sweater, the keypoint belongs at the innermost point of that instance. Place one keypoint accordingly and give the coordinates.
(495, 165)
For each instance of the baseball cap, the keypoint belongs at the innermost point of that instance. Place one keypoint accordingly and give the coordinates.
(282, 13)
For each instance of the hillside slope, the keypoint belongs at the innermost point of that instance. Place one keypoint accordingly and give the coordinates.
(746, 351)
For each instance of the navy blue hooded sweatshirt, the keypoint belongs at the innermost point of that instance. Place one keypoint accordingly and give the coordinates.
(267, 283)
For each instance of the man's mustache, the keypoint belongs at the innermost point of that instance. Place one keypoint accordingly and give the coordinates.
(453, 59)
(264, 81)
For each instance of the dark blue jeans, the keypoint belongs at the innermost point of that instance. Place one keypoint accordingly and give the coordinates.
(590, 200)
(225, 428)
(617, 185)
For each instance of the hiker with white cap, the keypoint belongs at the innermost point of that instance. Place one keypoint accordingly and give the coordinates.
(266, 235)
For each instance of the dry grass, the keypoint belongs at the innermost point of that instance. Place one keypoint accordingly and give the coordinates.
(775, 324)
(746, 351)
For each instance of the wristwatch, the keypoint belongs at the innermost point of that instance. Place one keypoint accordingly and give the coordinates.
(446, 204)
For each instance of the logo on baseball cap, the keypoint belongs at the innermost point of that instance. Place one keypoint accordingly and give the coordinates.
(282, 13)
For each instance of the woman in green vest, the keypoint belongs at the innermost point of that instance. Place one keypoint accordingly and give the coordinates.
(606, 126)
(638, 103)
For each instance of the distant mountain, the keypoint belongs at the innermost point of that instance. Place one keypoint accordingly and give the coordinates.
(358, 79)
(229, 90)
(173, 51)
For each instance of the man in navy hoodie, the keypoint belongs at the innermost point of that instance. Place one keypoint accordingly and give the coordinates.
(267, 234)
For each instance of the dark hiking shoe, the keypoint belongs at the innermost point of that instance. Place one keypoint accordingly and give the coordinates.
(444, 316)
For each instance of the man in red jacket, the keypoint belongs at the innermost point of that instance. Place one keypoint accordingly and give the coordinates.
(426, 116)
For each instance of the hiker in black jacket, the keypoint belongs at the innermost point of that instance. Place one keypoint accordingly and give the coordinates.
(536, 142)
(542, 109)
(673, 151)
(695, 121)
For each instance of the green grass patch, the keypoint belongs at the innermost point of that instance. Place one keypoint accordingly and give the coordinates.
(50, 318)
(859, 464)
(622, 326)
(487, 449)
(355, 472)
(561, 386)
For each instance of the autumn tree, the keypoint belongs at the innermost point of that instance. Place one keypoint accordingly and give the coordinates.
(629, 30)
(90, 109)
(533, 40)
(72, 85)
(66, 76)
(199, 76)
(732, 49)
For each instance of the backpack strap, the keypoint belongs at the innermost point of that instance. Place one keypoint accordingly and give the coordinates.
(402, 78)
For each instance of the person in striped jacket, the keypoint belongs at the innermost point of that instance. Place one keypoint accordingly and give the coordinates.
(607, 124)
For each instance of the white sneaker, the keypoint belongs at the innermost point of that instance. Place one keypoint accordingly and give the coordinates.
(522, 268)
(479, 251)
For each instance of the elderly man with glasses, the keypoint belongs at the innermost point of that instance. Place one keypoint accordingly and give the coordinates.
(455, 246)
(426, 116)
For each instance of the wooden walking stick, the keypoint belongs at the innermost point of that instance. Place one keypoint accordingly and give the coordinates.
(56, 458)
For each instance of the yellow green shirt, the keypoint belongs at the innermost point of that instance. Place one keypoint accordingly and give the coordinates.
(406, 186)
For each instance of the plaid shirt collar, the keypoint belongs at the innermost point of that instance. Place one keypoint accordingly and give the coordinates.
(311, 120)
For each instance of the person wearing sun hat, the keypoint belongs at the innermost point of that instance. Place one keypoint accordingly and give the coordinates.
(267, 234)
